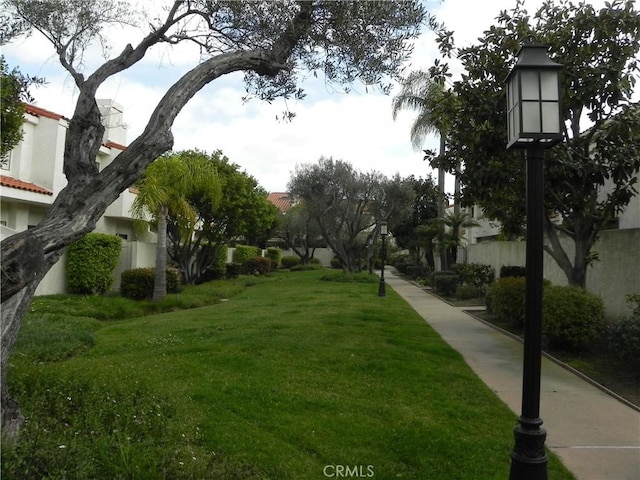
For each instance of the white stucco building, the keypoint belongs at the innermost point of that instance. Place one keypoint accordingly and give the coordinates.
(31, 177)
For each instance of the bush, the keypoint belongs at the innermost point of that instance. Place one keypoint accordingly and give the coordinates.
(91, 262)
(476, 274)
(336, 263)
(417, 271)
(624, 335)
(233, 270)
(310, 266)
(466, 292)
(242, 253)
(256, 266)
(402, 266)
(315, 261)
(275, 255)
(289, 261)
(573, 318)
(218, 269)
(505, 300)
(507, 271)
(137, 283)
(445, 282)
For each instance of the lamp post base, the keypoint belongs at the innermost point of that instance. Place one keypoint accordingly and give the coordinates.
(381, 288)
(528, 458)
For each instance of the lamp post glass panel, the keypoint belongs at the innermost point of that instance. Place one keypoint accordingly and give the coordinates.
(381, 286)
(533, 124)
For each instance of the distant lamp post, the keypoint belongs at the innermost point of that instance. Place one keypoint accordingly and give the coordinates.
(534, 123)
(383, 232)
(370, 253)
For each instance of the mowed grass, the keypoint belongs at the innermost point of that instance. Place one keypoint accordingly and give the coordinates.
(291, 378)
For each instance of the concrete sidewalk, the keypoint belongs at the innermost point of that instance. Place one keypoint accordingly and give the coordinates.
(595, 435)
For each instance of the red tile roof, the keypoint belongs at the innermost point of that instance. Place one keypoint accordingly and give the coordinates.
(21, 185)
(41, 112)
(281, 200)
(111, 144)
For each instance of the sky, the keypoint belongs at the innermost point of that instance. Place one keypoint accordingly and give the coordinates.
(357, 127)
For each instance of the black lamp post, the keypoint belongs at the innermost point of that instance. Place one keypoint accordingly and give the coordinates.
(534, 123)
(383, 232)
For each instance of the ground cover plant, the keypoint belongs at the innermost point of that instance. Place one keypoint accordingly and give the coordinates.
(290, 376)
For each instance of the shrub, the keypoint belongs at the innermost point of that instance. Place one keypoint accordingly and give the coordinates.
(445, 282)
(512, 271)
(572, 317)
(91, 262)
(138, 283)
(624, 335)
(476, 274)
(417, 271)
(466, 292)
(233, 270)
(402, 266)
(309, 266)
(218, 268)
(242, 253)
(275, 255)
(315, 261)
(505, 300)
(289, 261)
(256, 266)
(336, 263)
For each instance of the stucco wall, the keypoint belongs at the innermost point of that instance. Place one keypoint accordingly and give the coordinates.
(613, 277)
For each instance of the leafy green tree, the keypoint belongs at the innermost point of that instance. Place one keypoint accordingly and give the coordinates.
(346, 204)
(591, 177)
(414, 230)
(164, 192)
(273, 43)
(14, 90)
(243, 213)
(300, 232)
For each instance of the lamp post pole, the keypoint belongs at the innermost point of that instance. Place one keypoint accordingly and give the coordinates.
(528, 458)
(534, 122)
(383, 233)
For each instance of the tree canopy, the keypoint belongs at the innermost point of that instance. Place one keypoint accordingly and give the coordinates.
(591, 176)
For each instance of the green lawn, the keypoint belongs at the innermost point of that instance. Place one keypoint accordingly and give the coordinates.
(291, 378)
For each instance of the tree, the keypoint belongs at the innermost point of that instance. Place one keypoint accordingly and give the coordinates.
(420, 92)
(14, 90)
(590, 177)
(300, 232)
(414, 230)
(272, 42)
(166, 192)
(243, 213)
(346, 204)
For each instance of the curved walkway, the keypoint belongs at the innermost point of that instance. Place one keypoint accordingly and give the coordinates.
(596, 436)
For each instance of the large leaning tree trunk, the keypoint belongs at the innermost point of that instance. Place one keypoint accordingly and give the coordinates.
(28, 256)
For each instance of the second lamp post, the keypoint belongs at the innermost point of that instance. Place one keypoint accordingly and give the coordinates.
(383, 233)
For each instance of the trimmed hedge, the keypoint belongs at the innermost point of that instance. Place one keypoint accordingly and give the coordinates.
(91, 262)
(137, 283)
(275, 255)
(475, 274)
(624, 335)
(218, 269)
(289, 261)
(573, 317)
(512, 271)
(505, 300)
(446, 282)
(256, 266)
(242, 253)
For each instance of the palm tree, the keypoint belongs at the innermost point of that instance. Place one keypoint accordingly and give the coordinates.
(421, 93)
(163, 190)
